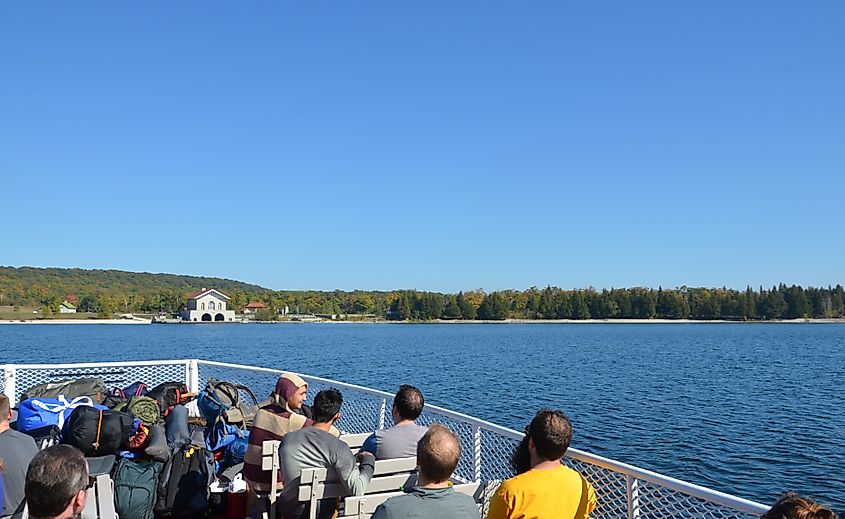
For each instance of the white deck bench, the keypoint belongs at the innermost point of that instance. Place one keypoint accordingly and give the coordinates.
(389, 476)
(362, 507)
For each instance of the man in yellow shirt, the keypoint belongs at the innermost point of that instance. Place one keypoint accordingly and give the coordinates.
(543, 487)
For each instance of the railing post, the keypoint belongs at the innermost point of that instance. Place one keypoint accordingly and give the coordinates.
(9, 385)
(192, 376)
(476, 457)
(381, 413)
(633, 491)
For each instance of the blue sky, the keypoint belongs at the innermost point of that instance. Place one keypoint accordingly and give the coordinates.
(431, 145)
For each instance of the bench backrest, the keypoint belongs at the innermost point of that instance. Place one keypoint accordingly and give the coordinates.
(388, 476)
(355, 441)
(362, 507)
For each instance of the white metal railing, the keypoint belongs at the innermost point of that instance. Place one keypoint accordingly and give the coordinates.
(623, 490)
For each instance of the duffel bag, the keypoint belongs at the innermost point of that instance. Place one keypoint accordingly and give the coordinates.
(97, 432)
(221, 400)
(183, 486)
(176, 428)
(135, 487)
(34, 413)
(93, 388)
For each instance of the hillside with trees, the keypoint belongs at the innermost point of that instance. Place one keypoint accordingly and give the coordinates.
(108, 291)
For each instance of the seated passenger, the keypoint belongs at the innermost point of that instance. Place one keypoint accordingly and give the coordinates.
(399, 441)
(16, 450)
(792, 506)
(317, 447)
(283, 414)
(438, 453)
(57, 483)
(544, 487)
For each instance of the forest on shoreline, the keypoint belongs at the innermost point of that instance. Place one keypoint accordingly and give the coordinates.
(106, 292)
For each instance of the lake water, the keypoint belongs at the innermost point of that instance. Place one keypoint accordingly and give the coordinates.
(749, 409)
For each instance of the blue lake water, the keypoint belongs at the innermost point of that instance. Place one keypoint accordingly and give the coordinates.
(749, 409)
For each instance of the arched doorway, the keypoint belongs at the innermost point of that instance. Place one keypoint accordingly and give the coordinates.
(219, 317)
(206, 317)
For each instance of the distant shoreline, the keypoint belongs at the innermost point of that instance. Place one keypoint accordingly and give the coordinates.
(138, 321)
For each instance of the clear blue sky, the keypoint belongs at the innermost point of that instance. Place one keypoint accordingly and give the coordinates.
(433, 145)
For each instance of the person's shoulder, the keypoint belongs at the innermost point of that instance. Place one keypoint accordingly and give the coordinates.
(17, 436)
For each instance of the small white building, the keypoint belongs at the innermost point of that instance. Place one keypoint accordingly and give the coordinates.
(67, 308)
(207, 305)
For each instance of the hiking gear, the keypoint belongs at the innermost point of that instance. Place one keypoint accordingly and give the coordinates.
(176, 426)
(145, 408)
(183, 485)
(39, 412)
(169, 394)
(93, 388)
(157, 445)
(222, 400)
(97, 432)
(136, 389)
(46, 436)
(135, 487)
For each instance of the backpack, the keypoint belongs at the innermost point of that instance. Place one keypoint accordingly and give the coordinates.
(135, 487)
(45, 436)
(169, 394)
(94, 388)
(183, 485)
(97, 432)
(221, 400)
(136, 389)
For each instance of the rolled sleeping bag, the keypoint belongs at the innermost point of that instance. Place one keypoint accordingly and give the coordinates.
(157, 447)
(176, 427)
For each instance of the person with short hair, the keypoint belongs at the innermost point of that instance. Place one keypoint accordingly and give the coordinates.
(438, 453)
(318, 447)
(399, 441)
(57, 483)
(543, 486)
(17, 450)
(791, 505)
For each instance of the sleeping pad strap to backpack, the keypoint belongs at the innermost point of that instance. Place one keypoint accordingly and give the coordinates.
(96, 444)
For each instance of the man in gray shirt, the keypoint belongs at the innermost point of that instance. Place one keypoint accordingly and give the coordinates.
(399, 441)
(316, 447)
(438, 453)
(16, 450)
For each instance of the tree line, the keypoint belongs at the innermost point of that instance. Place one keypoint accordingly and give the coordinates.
(107, 291)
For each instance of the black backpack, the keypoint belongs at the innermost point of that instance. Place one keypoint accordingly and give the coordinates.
(96, 432)
(183, 485)
(135, 487)
(169, 394)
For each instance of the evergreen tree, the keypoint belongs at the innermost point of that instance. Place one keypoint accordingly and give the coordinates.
(467, 310)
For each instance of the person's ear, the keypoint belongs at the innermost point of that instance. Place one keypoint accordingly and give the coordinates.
(336, 417)
(531, 445)
(79, 502)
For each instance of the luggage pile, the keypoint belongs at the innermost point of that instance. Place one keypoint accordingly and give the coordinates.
(166, 461)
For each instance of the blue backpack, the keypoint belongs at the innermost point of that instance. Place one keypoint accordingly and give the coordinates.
(221, 401)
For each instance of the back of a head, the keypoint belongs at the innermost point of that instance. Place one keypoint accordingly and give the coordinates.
(55, 476)
(409, 402)
(5, 407)
(792, 506)
(551, 432)
(438, 453)
(326, 405)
